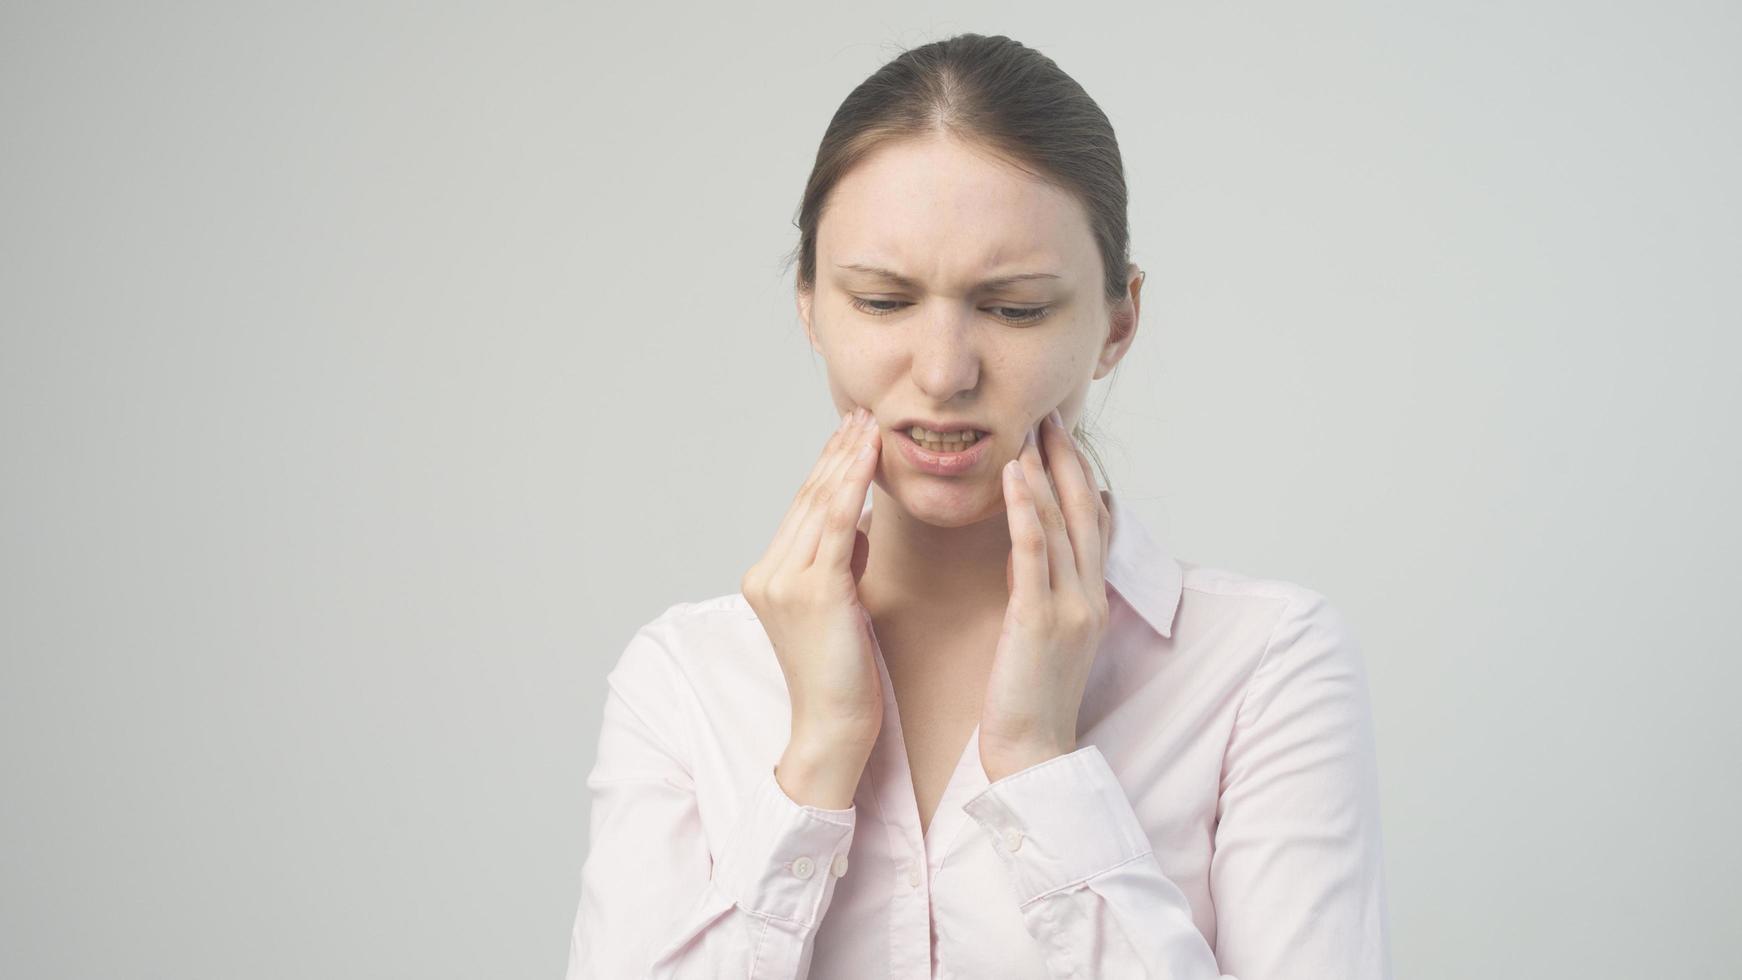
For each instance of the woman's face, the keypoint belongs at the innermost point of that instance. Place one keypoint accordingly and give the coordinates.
(942, 343)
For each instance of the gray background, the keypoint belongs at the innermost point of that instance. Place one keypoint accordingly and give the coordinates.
(369, 372)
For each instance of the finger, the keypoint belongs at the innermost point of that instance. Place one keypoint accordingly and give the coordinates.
(833, 455)
(1061, 560)
(790, 521)
(810, 531)
(840, 532)
(1028, 572)
(1076, 498)
(1103, 516)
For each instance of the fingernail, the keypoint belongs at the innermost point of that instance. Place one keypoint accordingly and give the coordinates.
(1056, 420)
(1029, 439)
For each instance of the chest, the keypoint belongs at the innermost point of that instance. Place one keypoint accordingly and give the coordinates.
(939, 680)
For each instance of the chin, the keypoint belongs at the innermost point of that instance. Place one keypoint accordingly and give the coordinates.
(947, 503)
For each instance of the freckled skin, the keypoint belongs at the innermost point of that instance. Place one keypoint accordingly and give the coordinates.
(949, 215)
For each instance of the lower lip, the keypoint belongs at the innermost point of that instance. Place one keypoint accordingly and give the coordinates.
(941, 464)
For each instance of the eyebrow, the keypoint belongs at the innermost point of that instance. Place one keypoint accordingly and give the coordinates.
(903, 281)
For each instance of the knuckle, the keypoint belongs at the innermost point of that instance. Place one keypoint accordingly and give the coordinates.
(1077, 617)
(751, 582)
(837, 519)
(778, 591)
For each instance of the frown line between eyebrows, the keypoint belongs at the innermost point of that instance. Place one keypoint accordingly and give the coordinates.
(906, 283)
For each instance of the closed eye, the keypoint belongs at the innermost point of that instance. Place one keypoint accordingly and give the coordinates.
(1015, 314)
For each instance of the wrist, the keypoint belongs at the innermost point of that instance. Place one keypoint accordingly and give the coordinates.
(1002, 761)
(820, 774)
(830, 735)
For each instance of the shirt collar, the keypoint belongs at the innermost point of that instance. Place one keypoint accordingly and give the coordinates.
(1137, 566)
(1146, 576)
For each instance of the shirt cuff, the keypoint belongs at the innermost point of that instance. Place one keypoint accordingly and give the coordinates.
(1059, 822)
(784, 857)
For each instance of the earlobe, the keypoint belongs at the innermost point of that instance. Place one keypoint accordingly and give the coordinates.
(1125, 317)
(1122, 324)
(1122, 327)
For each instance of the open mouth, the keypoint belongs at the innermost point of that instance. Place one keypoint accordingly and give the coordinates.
(944, 444)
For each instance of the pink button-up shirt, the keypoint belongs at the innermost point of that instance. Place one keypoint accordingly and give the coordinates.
(1220, 817)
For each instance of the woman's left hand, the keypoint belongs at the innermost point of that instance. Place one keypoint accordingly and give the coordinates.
(1058, 605)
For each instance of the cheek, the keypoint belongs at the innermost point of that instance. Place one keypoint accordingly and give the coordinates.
(861, 356)
(1074, 359)
(1046, 371)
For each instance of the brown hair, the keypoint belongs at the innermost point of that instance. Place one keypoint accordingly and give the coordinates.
(1006, 98)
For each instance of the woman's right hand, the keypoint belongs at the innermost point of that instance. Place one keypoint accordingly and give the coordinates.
(805, 591)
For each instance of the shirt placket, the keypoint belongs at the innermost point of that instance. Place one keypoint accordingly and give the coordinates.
(910, 939)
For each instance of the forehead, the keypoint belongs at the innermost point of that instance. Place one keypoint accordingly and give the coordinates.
(944, 212)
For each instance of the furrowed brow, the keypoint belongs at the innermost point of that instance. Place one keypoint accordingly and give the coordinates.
(906, 283)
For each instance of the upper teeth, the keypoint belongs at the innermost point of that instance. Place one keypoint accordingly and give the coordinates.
(926, 435)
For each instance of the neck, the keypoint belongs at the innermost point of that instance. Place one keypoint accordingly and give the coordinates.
(913, 564)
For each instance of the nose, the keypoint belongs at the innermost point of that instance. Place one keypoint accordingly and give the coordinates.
(946, 360)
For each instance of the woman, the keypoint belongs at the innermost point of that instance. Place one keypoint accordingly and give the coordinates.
(982, 725)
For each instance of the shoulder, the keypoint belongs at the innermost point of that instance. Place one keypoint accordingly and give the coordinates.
(1252, 595)
(1288, 621)
(1207, 580)
(703, 678)
(695, 643)
(686, 617)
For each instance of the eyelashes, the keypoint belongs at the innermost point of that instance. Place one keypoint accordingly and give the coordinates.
(1026, 314)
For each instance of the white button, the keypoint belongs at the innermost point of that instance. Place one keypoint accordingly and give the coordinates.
(1012, 839)
(840, 865)
(803, 867)
(913, 875)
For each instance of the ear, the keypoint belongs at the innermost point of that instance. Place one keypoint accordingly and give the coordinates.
(1122, 323)
(802, 299)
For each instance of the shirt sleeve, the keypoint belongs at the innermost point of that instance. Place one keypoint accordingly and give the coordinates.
(655, 901)
(1297, 870)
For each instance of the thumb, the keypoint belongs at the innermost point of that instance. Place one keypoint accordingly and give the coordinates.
(1010, 570)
